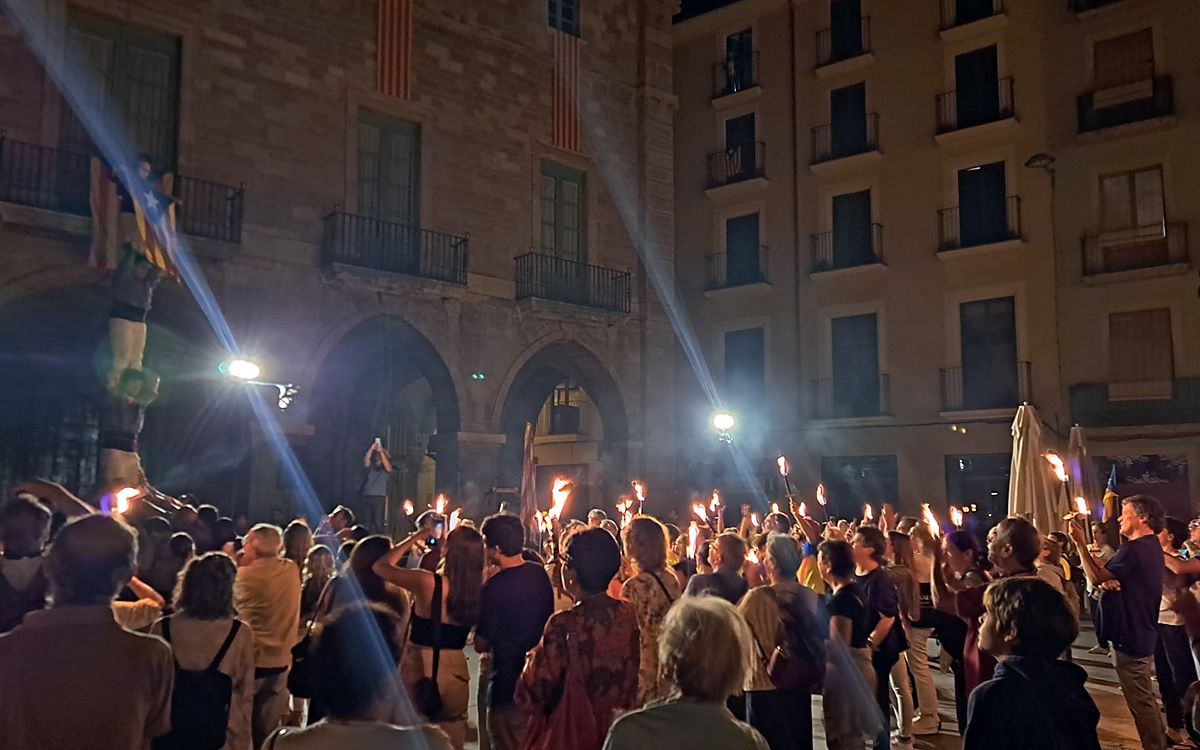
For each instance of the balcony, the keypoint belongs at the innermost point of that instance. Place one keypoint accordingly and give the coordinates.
(979, 227)
(1128, 103)
(391, 247)
(1092, 406)
(957, 13)
(991, 389)
(830, 143)
(728, 270)
(843, 42)
(845, 399)
(562, 280)
(1161, 245)
(848, 248)
(58, 180)
(1083, 6)
(967, 109)
(736, 74)
(736, 164)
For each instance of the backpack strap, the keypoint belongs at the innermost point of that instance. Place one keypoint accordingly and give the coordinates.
(166, 629)
(663, 586)
(216, 662)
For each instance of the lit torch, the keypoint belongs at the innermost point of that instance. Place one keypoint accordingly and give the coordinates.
(822, 500)
(930, 520)
(440, 503)
(624, 504)
(785, 471)
(408, 507)
(752, 557)
(559, 493)
(700, 511)
(1082, 509)
(803, 509)
(868, 514)
(639, 491)
(754, 520)
(693, 535)
(956, 517)
(715, 502)
(121, 499)
(455, 517)
(774, 507)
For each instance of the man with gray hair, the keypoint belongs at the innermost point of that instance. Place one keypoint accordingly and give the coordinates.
(70, 675)
(267, 591)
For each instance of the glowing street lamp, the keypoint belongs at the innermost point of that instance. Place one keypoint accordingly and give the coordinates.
(248, 372)
(723, 422)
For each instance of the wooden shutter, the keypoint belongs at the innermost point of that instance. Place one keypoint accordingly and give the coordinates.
(1124, 59)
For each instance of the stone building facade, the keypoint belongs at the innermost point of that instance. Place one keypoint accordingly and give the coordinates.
(362, 176)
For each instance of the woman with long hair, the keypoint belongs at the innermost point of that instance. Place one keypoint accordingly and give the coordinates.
(902, 572)
(651, 592)
(297, 541)
(961, 565)
(203, 625)
(455, 591)
(315, 575)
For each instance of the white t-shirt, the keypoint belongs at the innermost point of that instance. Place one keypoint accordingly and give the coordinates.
(360, 735)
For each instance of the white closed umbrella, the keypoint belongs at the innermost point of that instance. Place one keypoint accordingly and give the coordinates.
(1031, 493)
(1085, 482)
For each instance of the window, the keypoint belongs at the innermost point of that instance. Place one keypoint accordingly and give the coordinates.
(982, 209)
(564, 16)
(846, 28)
(739, 62)
(1132, 199)
(852, 481)
(745, 366)
(1140, 347)
(854, 347)
(848, 116)
(389, 169)
(988, 330)
(979, 481)
(740, 157)
(1124, 59)
(977, 85)
(742, 250)
(563, 216)
(136, 77)
(852, 229)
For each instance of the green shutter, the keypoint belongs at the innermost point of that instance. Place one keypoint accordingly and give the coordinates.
(564, 214)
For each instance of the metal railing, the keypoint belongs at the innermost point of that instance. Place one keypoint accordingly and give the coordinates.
(736, 73)
(736, 163)
(838, 43)
(43, 177)
(1091, 406)
(979, 227)
(967, 391)
(563, 280)
(1160, 102)
(962, 12)
(393, 247)
(966, 109)
(721, 273)
(1079, 6)
(847, 248)
(1160, 244)
(209, 209)
(843, 400)
(829, 143)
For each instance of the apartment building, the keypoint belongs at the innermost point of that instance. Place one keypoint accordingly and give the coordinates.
(421, 214)
(895, 222)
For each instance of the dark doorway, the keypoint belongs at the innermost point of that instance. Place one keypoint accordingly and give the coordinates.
(854, 345)
(742, 250)
(977, 85)
(846, 28)
(848, 110)
(989, 353)
(983, 213)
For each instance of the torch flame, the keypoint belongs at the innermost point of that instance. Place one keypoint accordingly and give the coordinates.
(803, 509)
(693, 535)
(784, 468)
(774, 507)
(455, 517)
(440, 503)
(715, 502)
(560, 492)
(868, 513)
(639, 490)
(408, 507)
(700, 511)
(122, 497)
(956, 516)
(930, 520)
(754, 519)
(752, 557)
(626, 518)
(821, 495)
(1081, 507)
(1056, 465)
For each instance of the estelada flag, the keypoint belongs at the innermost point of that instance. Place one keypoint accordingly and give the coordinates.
(1111, 499)
(154, 215)
(154, 212)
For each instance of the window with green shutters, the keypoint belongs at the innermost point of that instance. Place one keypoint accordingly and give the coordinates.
(134, 75)
(564, 227)
(389, 168)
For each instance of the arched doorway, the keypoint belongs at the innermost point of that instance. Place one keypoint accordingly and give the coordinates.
(580, 426)
(383, 379)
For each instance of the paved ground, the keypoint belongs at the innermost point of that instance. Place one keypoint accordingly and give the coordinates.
(1116, 725)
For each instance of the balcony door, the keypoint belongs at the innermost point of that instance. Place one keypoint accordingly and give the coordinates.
(745, 367)
(739, 147)
(988, 330)
(982, 213)
(846, 28)
(854, 348)
(564, 232)
(848, 120)
(966, 11)
(742, 250)
(852, 229)
(977, 87)
(388, 193)
(739, 60)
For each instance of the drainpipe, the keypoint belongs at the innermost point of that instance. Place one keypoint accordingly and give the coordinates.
(795, 192)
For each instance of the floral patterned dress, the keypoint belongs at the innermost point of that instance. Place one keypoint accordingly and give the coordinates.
(651, 595)
(603, 636)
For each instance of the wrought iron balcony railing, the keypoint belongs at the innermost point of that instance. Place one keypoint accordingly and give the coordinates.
(964, 108)
(1120, 105)
(958, 228)
(389, 246)
(829, 142)
(847, 248)
(843, 41)
(563, 280)
(962, 12)
(971, 389)
(726, 270)
(1091, 406)
(1161, 244)
(736, 73)
(735, 164)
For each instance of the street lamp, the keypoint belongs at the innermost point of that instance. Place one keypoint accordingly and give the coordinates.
(723, 422)
(248, 372)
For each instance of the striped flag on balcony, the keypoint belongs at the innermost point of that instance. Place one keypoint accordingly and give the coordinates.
(565, 91)
(153, 220)
(394, 48)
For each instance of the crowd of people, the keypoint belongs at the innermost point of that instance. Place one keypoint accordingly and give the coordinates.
(193, 630)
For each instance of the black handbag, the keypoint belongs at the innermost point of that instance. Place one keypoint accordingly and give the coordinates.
(426, 695)
(302, 678)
